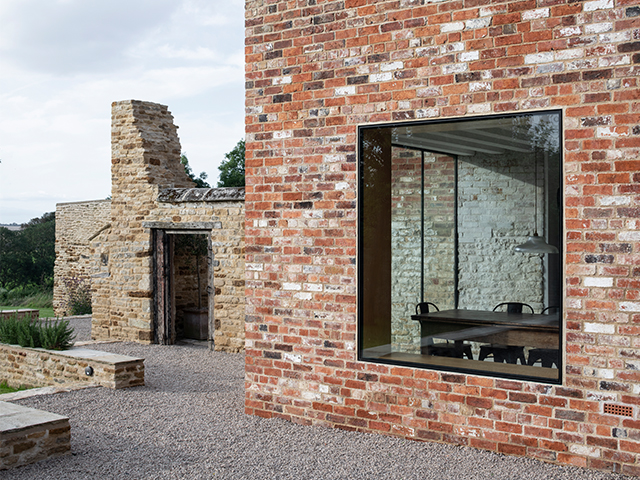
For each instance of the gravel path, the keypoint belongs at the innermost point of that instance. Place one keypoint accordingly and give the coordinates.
(188, 422)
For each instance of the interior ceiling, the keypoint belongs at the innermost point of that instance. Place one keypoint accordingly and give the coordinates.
(467, 138)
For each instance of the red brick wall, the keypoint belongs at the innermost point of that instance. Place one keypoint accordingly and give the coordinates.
(318, 69)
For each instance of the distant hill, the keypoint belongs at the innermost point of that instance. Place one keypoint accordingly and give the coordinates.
(11, 226)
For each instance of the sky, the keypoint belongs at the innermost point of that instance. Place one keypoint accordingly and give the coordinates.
(62, 64)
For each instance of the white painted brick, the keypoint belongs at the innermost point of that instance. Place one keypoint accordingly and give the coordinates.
(479, 108)
(256, 267)
(479, 86)
(455, 68)
(350, 90)
(598, 28)
(381, 77)
(334, 158)
(544, 57)
(282, 80)
(468, 56)
(583, 64)
(574, 303)
(429, 92)
(282, 134)
(293, 358)
(537, 13)
(615, 154)
(630, 306)
(609, 132)
(477, 23)
(303, 296)
(427, 112)
(451, 27)
(342, 185)
(570, 31)
(598, 282)
(615, 200)
(599, 372)
(614, 61)
(386, 67)
(569, 53)
(313, 287)
(584, 450)
(618, 37)
(599, 328)
(291, 286)
(550, 68)
(597, 5)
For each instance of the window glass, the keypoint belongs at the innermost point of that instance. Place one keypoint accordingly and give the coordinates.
(459, 239)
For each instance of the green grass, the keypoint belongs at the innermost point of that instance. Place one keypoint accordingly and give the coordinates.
(4, 388)
(44, 312)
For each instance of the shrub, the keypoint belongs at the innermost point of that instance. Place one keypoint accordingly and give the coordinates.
(57, 335)
(27, 332)
(78, 296)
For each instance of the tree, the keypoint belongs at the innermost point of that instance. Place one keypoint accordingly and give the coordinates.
(28, 255)
(232, 170)
(200, 179)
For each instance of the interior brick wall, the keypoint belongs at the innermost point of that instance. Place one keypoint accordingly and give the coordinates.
(318, 69)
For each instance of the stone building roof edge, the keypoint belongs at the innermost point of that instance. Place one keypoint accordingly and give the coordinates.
(220, 194)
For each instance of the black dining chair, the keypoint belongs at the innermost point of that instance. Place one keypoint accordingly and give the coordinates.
(423, 307)
(514, 307)
(442, 349)
(549, 309)
(546, 356)
(506, 353)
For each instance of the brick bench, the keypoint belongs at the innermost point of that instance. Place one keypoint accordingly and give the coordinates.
(20, 313)
(28, 435)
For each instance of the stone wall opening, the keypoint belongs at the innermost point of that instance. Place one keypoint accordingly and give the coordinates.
(183, 286)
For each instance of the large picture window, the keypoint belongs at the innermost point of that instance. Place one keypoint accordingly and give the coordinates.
(460, 241)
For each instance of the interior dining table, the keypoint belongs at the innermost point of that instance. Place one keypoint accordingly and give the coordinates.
(515, 329)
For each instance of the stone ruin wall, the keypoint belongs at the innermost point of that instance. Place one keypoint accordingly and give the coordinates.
(146, 161)
(145, 153)
(76, 224)
(226, 213)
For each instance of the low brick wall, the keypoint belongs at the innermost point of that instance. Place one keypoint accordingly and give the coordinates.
(28, 435)
(20, 313)
(36, 367)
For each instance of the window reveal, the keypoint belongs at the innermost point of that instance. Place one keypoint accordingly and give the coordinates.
(442, 207)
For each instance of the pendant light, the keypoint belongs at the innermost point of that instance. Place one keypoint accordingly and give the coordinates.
(535, 244)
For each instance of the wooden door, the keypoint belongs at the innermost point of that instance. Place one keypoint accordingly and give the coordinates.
(163, 319)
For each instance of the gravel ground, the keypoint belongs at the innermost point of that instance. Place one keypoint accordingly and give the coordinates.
(81, 326)
(188, 422)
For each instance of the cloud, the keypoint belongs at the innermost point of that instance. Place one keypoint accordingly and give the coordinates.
(76, 35)
(62, 63)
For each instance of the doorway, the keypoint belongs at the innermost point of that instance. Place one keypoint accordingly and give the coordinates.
(183, 286)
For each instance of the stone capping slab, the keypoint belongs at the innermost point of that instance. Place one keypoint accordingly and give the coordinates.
(37, 367)
(180, 195)
(204, 226)
(16, 417)
(28, 435)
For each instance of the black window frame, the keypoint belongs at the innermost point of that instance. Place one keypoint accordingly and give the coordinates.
(359, 246)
